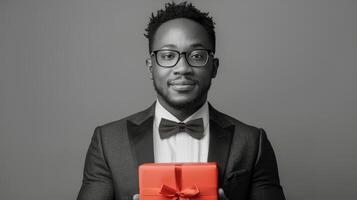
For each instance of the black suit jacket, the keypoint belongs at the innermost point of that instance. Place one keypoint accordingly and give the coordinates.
(246, 162)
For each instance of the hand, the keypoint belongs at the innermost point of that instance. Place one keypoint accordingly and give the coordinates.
(221, 195)
(136, 197)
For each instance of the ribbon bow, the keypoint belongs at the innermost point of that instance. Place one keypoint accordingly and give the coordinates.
(179, 194)
(168, 128)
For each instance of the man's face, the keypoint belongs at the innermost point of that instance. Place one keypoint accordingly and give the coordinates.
(182, 86)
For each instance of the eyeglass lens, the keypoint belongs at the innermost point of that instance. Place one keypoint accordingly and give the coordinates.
(169, 58)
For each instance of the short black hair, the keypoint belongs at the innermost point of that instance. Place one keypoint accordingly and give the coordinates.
(180, 10)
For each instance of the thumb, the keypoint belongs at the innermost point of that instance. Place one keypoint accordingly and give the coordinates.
(221, 195)
(136, 197)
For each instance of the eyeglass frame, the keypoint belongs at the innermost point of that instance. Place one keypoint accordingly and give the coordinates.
(154, 53)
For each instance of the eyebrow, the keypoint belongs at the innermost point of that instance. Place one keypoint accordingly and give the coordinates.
(192, 46)
(198, 45)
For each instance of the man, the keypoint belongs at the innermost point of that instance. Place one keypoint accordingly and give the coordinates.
(181, 126)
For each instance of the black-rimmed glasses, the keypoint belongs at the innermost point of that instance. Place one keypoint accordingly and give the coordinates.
(169, 58)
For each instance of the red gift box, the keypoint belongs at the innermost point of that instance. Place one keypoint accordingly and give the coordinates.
(184, 181)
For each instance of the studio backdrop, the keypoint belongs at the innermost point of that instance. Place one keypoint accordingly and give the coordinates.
(288, 66)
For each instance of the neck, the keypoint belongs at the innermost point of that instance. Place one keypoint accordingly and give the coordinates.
(182, 113)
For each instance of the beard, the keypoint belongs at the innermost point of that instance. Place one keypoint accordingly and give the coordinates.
(187, 105)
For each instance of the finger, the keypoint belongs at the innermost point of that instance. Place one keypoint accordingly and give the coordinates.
(221, 195)
(136, 197)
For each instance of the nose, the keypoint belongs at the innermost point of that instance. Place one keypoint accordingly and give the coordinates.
(182, 67)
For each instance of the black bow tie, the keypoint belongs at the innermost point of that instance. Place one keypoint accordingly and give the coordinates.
(168, 128)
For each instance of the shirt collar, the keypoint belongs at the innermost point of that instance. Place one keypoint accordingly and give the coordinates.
(161, 112)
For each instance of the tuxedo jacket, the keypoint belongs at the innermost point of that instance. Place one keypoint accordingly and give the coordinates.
(245, 158)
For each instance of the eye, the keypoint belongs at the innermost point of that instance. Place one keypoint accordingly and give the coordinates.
(167, 55)
(196, 56)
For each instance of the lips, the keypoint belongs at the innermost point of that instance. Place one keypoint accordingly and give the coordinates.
(181, 82)
(182, 85)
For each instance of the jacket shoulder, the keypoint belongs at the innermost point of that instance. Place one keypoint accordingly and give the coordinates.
(243, 127)
(120, 125)
(137, 118)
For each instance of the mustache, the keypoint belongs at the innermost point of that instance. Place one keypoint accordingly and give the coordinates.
(182, 80)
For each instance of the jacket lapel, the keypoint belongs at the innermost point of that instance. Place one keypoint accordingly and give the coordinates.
(221, 133)
(140, 135)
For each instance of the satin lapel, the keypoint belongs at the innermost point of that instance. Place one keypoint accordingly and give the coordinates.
(221, 133)
(141, 136)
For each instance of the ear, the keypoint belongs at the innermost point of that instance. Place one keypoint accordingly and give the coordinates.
(215, 67)
(148, 63)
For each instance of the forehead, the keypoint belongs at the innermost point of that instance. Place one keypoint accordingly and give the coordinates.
(181, 34)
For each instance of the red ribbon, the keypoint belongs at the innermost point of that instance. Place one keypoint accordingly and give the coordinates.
(178, 193)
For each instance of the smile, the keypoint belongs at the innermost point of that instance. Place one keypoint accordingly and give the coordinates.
(182, 85)
(182, 82)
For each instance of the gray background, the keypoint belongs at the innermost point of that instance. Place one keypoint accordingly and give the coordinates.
(68, 66)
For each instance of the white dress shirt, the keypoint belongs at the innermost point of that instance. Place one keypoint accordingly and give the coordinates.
(180, 147)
